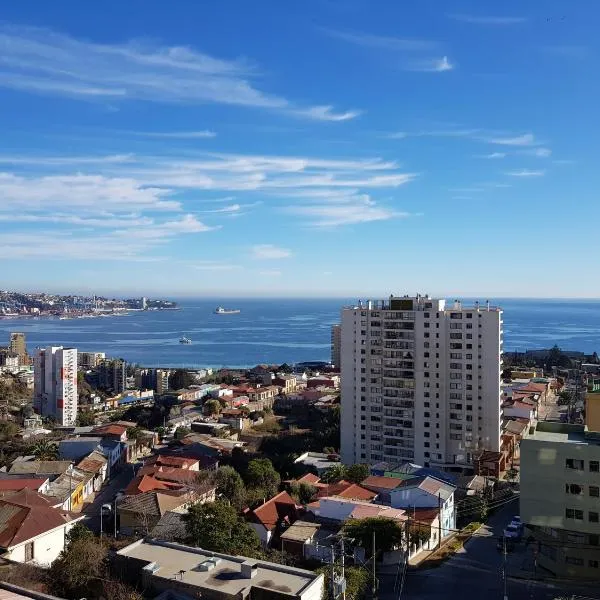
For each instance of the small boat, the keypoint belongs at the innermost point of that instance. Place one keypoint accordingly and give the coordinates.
(226, 311)
(185, 340)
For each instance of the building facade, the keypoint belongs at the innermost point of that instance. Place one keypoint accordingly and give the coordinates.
(55, 383)
(336, 345)
(560, 497)
(420, 382)
(18, 346)
(90, 360)
(112, 375)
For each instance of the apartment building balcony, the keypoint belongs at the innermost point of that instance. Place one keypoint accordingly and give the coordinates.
(399, 434)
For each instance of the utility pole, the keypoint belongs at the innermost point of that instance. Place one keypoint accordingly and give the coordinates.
(332, 571)
(439, 519)
(343, 569)
(374, 585)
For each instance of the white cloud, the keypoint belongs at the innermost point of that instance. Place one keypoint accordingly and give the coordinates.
(526, 173)
(433, 133)
(57, 161)
(42, 61)
(539, 152)
(487, 20)
(269, 252)
(527, 139)
(494, 155)
(179, 135)
(434, 65)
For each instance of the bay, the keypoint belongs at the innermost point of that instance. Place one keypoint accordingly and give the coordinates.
(279, 330)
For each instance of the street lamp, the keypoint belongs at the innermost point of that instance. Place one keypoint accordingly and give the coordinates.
(108, 507)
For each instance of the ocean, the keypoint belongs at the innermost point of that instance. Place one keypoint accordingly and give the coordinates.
(279, 330)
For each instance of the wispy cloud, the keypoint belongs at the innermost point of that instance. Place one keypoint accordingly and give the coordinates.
(46, 62)
(180, 135)
(527, 139)
(399, 135)
(413, 54)
(487, 20)
(538, 152)
(526, 173)
(269, 252)
(433, 65)
(494, 155)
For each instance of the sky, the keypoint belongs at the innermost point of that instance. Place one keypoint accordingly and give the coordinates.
(315, 148)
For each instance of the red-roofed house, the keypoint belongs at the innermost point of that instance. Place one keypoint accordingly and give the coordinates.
(381, 484)
(31, 530)
(37, 484)
(277, 512)
(112, 432)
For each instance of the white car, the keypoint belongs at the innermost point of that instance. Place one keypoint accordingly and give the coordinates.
(512, 531)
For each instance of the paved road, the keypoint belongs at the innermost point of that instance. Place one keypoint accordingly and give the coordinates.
(476, 573)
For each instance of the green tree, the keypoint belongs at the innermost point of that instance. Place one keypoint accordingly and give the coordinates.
(357, 581)
(85, 418)
(334, 474)
(388, 533)
(302, 492)
(181, 432)
(512, 474)
(212, 407)
(231, 486)
(261, 475)
(44, 450)
(357, 473)
(217, 526)
(8, 430)
(180, 379)
(77, 568)
(79, 532)
(473, 508)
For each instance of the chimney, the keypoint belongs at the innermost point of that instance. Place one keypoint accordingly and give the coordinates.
(248, 569)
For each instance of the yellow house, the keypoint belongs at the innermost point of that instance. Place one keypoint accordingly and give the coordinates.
(69, 489)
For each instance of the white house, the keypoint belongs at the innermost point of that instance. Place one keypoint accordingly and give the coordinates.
(33, 531)
(427, 493)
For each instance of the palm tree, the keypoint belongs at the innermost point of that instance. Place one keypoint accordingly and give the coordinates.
(44, 450)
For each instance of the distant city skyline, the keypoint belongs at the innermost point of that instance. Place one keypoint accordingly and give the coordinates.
(446, 148)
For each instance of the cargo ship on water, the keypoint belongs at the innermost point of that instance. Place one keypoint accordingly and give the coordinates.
(226, 311)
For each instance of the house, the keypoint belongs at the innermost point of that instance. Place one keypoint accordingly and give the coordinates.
(210, 446)
(196, 573)
(31, 530)
(96, 464)
(382, 485)
(287, 383)
(17, 483)
(427, 493)
(318, 461)
(339, 510)
(71, 489)
(332, 381)
(111, 431)
(490, 464)
(524, 407)
(141, 512)
(300, 536)
(39, 468)
(278, 512)
(79, 447)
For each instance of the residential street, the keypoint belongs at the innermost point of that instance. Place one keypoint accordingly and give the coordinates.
(476, 573)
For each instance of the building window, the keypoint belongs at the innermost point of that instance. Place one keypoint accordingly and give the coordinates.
(594, 491)
(593, 564)
(594, 539)
(593, 517)
(574, 489)
(574, 463)
(573, 560)
(595, 466)
(28, 551)
(573, 513)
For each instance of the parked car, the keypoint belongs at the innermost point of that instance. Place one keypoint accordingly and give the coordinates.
(516, 520)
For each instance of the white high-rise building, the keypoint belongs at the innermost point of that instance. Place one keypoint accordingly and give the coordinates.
(336, 345)
(420, 381)
(55, 383)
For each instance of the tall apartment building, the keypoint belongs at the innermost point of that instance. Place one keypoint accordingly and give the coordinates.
(336, 345)
(153, 379)
(89, 360)
(420, 382)
(55, 383)
(112, 375)
(18, 346)
(560, 497)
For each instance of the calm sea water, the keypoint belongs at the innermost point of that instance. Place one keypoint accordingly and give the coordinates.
(277, 331)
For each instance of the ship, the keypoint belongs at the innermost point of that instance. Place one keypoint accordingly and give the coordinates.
(226, 311)
(185, 340)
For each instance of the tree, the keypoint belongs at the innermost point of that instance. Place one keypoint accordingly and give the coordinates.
(212, 407)
(231, 486)
(388, 533)
(357, 473)
(44, 450)
(512, 474)
(116, 590)
(334, 474)
(79, 532)
(181, 432)
(285, 368)
(261, 475)
(357, 581)
(180, 379)
(557, 358)
(77, 567)
(85, 418)
(8, 430)
(217, 526)
(302, 492)
(474, 508)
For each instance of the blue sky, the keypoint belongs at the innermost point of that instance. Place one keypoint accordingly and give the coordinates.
(332, 147)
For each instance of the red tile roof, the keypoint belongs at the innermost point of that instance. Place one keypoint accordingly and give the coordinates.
(387, 483)
(280, 507)
(27, 514)
(357, 492)
(111, 429)
(18, 484)
(309, 478)
(424, 515)
(148, 483)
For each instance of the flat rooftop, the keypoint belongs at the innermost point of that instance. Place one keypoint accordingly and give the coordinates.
(565, 433)
(176, 561)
